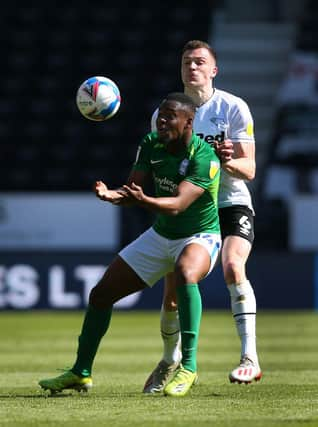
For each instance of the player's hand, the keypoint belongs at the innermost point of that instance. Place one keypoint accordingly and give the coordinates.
(101, 190)
(224, 150)
(135, 192)
(103, 193)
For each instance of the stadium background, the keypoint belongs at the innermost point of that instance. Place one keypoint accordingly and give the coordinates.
(55, 237)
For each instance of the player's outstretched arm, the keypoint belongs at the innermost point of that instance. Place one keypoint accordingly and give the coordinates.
(119, 196)
(186, 194)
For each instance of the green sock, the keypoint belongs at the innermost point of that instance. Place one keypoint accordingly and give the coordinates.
(190, 310)
(94, 327)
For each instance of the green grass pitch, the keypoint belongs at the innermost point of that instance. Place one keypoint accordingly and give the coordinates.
(34, 344)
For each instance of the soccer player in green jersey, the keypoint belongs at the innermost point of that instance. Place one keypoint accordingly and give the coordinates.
(184, 239)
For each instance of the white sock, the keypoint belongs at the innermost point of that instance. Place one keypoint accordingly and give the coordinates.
(170, 333)
(243, 305)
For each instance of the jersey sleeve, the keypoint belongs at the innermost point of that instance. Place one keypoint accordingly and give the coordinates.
(204, 169)
(241, 128)
(142, 161)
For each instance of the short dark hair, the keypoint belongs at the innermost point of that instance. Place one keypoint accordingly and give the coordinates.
(183, 99)
(197, 44)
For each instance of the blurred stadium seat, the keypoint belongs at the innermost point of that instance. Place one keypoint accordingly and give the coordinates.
(292, 164)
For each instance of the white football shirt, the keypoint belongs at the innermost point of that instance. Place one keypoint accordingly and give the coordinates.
(227, 113)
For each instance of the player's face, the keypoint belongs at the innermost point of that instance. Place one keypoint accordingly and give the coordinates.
(198, 68)
(172, 121)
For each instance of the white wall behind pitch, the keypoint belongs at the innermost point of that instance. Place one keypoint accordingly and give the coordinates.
(57, 221)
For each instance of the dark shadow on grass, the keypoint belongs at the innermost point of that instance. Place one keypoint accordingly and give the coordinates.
(126, 395)
(214, 395)
(36, 396)
(109, 395)
(70, 395)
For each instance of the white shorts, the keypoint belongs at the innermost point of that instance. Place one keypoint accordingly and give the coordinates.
(152, 256)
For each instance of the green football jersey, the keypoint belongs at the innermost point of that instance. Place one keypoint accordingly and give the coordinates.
(198, 164)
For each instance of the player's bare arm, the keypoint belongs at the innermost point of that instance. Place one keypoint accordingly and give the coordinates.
(186, 194)
(119, 196)
(103, 193)
(242, 163)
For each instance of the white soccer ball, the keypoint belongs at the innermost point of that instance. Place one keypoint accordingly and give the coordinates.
(98, 98)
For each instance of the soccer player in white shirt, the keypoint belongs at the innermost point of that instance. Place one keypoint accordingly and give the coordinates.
(224, 120)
